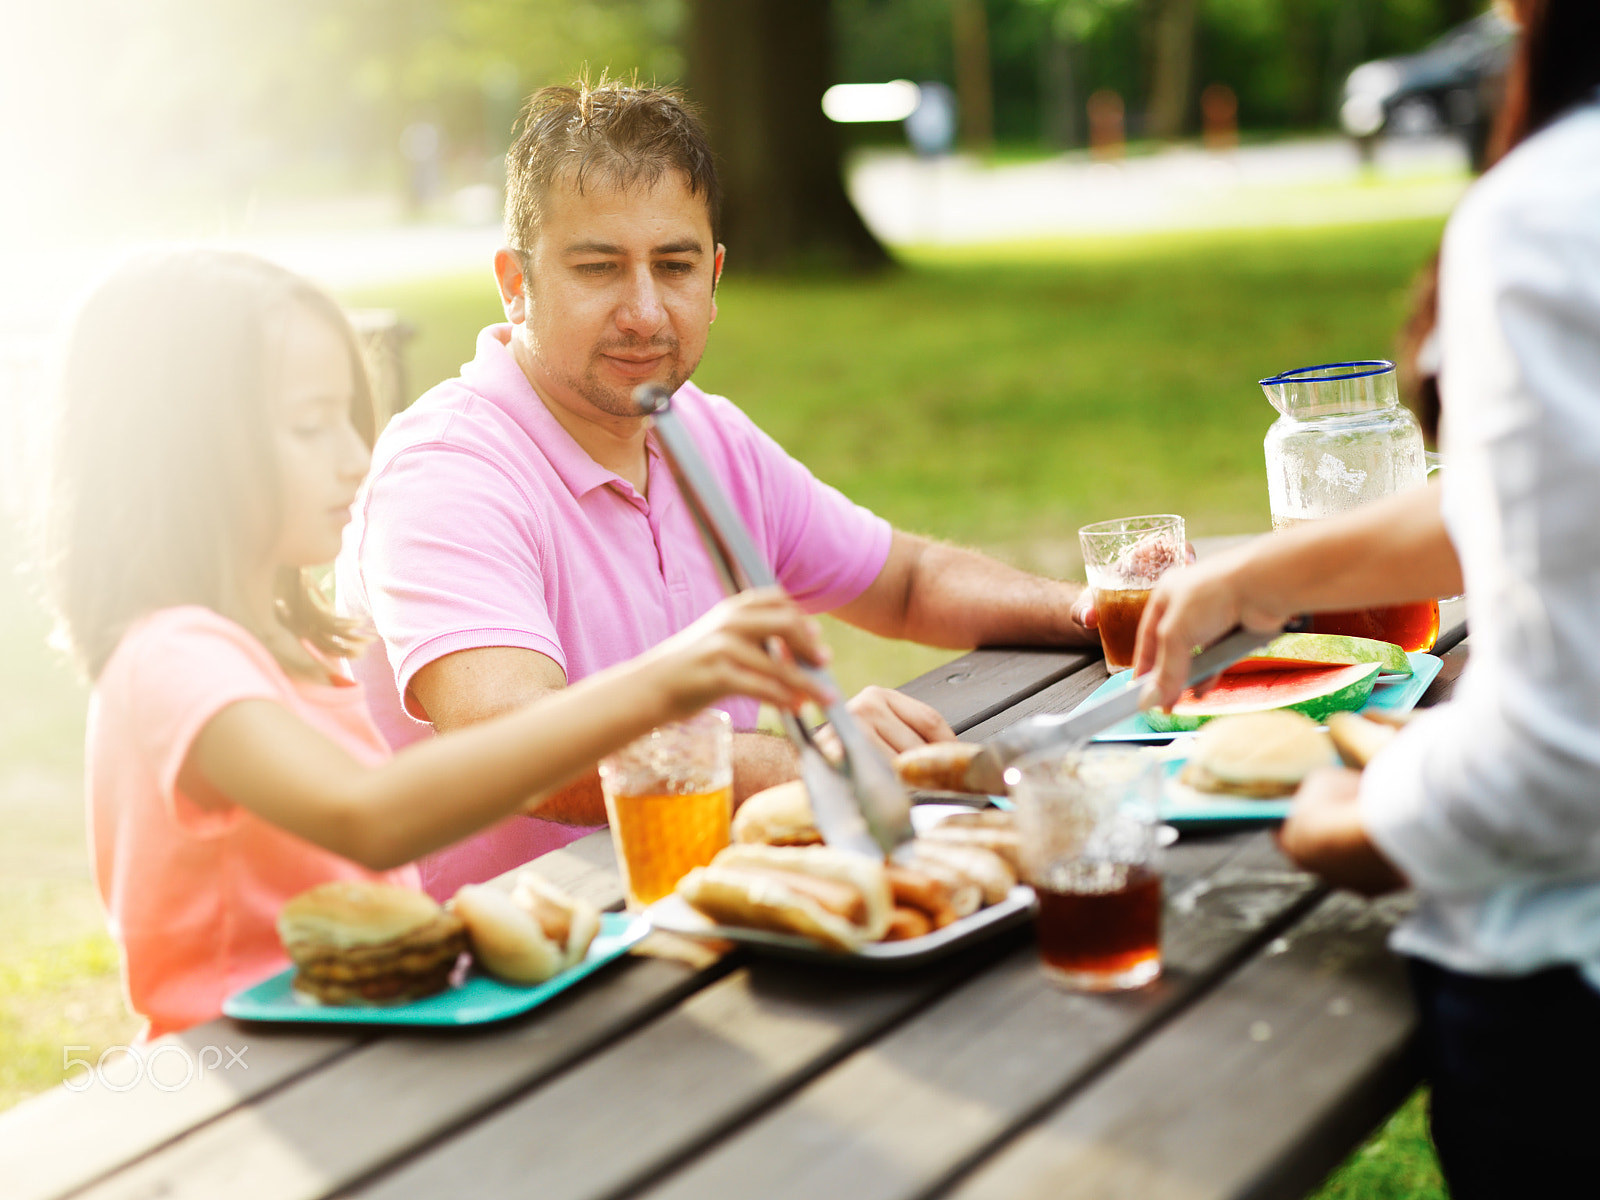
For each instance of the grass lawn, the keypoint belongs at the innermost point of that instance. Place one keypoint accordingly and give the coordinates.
(999, 397)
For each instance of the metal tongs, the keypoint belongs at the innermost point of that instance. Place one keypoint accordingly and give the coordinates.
(859, 803)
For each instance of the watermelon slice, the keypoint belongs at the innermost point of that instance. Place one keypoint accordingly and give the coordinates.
(1323, 649)
(1315, 691)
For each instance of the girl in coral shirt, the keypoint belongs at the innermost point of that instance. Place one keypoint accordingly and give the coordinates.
(214, 425)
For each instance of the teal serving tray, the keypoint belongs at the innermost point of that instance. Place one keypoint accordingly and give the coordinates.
(1393, 694)
(480, 999)
(1185, 808)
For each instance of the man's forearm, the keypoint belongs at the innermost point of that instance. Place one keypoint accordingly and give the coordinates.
(760, 760)
(960, 598)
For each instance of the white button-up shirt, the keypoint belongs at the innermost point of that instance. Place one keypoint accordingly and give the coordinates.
(1491, 804)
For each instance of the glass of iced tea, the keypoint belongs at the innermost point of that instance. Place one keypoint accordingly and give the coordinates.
(669, 798)
(1090, 850)
(1122, 560)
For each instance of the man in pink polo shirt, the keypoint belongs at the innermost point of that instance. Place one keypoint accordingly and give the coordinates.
(519, 529)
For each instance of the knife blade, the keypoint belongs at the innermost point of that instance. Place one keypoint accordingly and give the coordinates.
(986, 772)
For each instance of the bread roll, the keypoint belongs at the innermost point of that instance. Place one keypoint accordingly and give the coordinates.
(506, 940)
(530, 934)
(1358, 739)
(1256, 755)
(744, 886)
(537, 895)
(778, 816)
(937, 766)
(991, 873)
(990, 829)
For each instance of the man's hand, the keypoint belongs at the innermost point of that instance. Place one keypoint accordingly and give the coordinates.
(1324, 835)
(892, 719)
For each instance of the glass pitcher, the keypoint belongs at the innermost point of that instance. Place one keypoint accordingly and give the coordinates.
(1344, 440)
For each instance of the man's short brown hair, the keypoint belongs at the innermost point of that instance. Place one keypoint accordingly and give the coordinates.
(611, 133)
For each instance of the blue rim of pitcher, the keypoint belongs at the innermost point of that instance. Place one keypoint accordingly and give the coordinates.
(1379, 366)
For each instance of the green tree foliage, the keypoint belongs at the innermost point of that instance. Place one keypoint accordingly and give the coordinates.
(217, 98)
(1285, 59)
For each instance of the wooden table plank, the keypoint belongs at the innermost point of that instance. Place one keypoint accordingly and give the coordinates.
(624, 1116)
(934, 1094)
(1258, 1091)
(1062, 696)
(64, 1140)
(45, 1153)
(379, 1103)
(978, 685)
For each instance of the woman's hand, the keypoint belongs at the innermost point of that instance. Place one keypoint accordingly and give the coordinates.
(1324, 835)
(746, 646)
(1190, 609)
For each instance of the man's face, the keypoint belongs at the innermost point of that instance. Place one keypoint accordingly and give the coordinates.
(618, 293)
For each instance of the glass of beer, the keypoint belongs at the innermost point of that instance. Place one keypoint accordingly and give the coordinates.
(1122, 560)
(1090, 850)
(669, 798)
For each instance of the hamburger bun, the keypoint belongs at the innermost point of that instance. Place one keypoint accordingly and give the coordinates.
(1260, 755)
(778, 816)
(359, 942)
(1358, 739)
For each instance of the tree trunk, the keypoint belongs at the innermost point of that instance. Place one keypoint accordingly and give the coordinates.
(969, 27)
(1058, 92)
(1171, 67)
(757, 70)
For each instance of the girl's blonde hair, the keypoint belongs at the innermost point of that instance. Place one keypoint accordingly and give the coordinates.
(163, 480)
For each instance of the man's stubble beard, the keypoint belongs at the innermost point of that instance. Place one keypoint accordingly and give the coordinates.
(617, 402)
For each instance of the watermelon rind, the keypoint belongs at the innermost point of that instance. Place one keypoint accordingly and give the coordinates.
(1338, 691)
(1330, 649)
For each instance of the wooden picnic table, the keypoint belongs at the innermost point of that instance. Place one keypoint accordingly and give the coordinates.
(1279, 1034)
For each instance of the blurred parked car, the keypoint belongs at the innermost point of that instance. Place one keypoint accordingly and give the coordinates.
(1454, 85)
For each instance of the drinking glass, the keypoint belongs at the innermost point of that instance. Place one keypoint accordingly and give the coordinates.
(1122, 560)
(1090, 849)
(669, 797)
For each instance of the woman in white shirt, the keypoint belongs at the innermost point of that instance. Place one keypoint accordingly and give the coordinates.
(1490, 805)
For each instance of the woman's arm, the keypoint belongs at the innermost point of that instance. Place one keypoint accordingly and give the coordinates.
(259, 755)
(1388, 552)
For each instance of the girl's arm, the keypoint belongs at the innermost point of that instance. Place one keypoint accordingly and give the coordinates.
(259, 755)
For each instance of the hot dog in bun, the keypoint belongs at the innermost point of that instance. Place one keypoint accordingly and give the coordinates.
(527, 935)
(835, 898)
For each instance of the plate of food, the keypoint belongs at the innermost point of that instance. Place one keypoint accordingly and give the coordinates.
(778, 890)
(370, 954)
(1245, 768)
(1318, 689)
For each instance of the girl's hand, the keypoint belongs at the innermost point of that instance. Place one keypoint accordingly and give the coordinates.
(746, 646)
